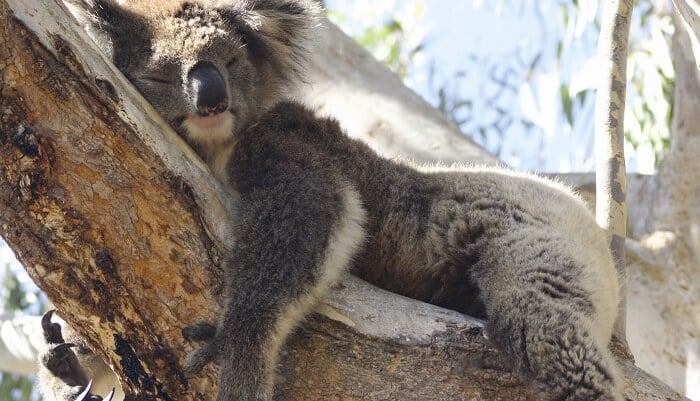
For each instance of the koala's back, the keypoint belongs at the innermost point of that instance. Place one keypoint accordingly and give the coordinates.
(522, 251)
(428, 228)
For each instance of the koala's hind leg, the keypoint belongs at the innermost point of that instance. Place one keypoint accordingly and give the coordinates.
(552, 346)
(552, 327)
(297, 234)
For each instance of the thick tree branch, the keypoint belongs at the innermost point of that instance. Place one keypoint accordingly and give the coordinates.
(689, 11)
(372, 104)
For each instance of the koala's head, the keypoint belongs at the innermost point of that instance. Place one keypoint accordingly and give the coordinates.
(209, 67)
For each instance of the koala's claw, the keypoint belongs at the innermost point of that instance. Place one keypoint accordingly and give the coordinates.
(109, 396)
(201, 331)
(63, 348)
(52, 331)
(59, 358)
(85, 395)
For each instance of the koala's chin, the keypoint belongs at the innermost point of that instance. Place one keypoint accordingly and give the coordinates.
(217, 128)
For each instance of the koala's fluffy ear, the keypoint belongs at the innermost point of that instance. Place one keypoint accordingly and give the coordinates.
(276, 30)
(109, 24)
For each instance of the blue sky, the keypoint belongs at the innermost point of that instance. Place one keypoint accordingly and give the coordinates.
(501, 38)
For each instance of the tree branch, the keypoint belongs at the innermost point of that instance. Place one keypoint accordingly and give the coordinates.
(611, 208)
(689, 11)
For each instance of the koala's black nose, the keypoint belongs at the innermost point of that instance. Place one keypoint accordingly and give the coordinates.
(208, 88)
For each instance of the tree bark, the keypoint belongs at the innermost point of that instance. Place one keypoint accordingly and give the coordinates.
(611, 183)
(116, 220)
(689, 11)
(665, 271)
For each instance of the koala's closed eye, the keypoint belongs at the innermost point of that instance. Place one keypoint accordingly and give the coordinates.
(157, 79)
(160, 73)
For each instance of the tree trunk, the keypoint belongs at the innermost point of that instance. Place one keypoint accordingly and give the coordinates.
(115, 219)
(665, 272)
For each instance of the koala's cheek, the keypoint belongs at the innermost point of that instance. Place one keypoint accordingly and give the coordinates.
(173, 111)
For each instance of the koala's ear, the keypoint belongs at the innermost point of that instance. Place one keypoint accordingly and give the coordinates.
(277, 31)
(109, 24)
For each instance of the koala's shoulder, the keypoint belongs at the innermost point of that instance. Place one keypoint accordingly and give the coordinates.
(290, 120)
(289, 133)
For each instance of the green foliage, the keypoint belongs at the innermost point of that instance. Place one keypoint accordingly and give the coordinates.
(494, 108)
(390, 35)
(566, 103)
(16, 388)
(651, 83)
(19, 293)
(390, 40)
(15, 297)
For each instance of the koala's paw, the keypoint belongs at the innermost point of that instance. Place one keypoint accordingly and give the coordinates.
(59, 359)
(201, 331)
(62, 373)
(85, 395)
(199, 358)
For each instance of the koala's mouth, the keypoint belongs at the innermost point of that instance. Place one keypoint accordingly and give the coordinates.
(211, 121)
(212, 128)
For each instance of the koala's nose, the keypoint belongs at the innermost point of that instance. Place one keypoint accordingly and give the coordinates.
(208, 88)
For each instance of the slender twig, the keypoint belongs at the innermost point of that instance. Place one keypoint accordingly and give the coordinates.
(611, 185)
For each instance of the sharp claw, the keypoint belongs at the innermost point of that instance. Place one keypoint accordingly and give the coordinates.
(83, 395)
(52, 331)
(63, 347)
(109, 396)
(46, 319)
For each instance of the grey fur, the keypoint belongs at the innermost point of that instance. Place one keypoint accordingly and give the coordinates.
(520, 250)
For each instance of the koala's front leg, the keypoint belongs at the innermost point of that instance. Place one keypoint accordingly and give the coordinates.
(296, 237)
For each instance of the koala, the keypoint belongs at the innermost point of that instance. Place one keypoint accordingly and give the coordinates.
(518, 250)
